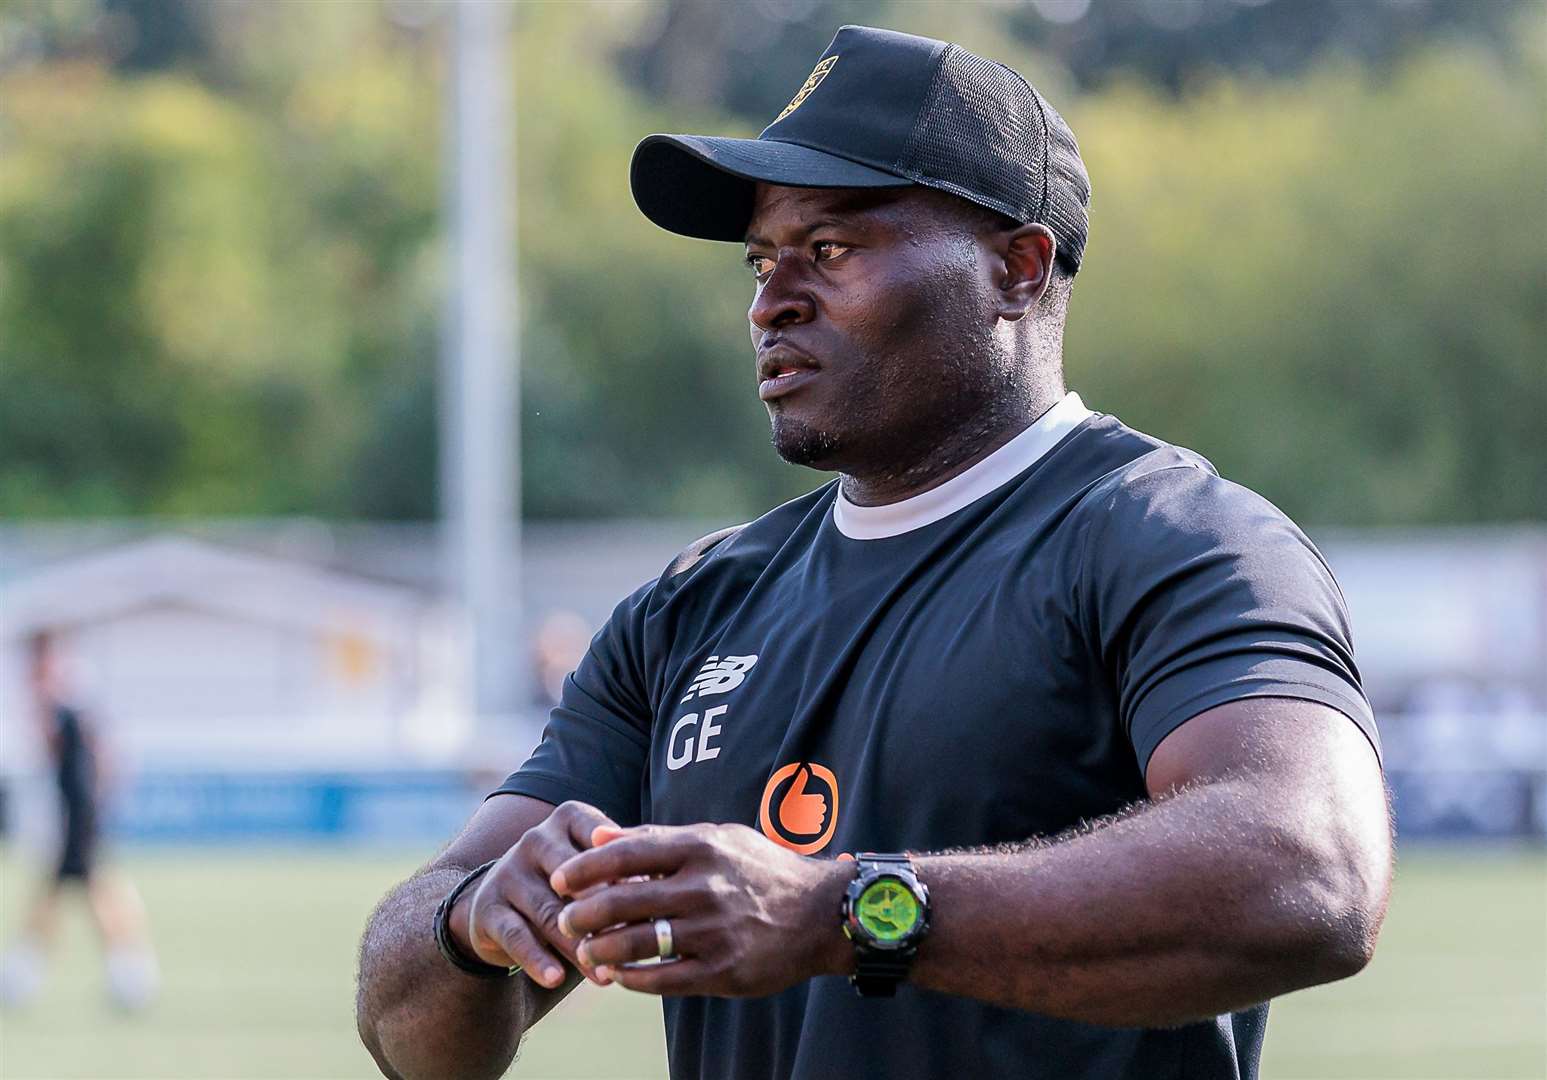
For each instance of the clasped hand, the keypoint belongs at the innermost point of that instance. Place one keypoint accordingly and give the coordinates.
(748, 916)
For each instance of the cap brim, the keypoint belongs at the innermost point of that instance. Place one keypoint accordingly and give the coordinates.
(703, 186)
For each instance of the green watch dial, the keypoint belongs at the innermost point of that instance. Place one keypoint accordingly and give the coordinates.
(887, 910)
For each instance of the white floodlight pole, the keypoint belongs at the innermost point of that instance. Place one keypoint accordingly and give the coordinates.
(480, 437)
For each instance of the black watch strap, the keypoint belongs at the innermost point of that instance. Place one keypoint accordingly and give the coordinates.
(877, 974)
(448, 946)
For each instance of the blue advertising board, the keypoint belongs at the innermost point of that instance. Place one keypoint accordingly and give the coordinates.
(420, 807)
(385, 807)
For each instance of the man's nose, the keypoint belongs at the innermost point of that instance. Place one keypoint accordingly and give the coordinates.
(784, 298)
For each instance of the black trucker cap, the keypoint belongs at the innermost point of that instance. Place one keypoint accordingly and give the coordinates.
(882, 109)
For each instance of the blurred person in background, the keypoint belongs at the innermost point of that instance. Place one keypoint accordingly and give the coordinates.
(78, 764)
(561, 643)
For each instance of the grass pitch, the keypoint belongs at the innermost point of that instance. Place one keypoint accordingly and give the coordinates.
(258, 956)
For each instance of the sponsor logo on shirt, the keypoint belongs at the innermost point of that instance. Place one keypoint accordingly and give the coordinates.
(800, 807)
(719, 675)
(692, 736)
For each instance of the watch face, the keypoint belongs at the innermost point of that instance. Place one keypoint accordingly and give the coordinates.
(887, 909)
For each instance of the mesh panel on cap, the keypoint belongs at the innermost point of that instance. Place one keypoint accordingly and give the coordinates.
(1068, 190)
(985, 135)
(976, 134)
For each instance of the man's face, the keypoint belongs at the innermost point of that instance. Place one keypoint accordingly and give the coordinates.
(873, 323)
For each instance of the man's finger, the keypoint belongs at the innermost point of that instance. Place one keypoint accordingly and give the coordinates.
(546, 849)
(567, 831)
(625, 945)
(582, 820)
(626, 902)
(528, 894)
(635, 942)
(668, 980)
(605, 834)
(651, 849)
(500, 936)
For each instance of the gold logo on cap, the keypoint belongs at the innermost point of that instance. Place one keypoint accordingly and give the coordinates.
(813, 81)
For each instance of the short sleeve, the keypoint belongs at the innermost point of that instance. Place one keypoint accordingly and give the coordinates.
(596, 744)
(1202, 592)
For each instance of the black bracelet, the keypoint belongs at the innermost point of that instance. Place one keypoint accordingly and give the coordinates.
(447, 945)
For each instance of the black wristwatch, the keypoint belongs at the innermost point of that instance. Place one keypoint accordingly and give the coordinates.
(885, 915)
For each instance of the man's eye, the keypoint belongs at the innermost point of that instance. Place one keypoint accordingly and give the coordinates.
(761, 265)
(829, 249)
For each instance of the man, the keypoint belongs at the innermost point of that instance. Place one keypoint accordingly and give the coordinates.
(76, 758)
(1029, 728)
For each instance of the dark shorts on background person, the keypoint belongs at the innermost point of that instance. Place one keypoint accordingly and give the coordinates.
(78, 853)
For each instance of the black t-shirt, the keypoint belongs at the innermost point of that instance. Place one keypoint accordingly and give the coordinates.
(993, 660)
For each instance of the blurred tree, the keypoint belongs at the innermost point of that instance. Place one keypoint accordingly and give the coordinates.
(1170, 42)
(155, 35)
(757, 53)
(202, 302)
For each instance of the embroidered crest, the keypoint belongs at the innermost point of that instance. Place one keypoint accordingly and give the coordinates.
(813, 81)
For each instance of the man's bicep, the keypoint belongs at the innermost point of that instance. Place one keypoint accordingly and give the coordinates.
(1281, 744)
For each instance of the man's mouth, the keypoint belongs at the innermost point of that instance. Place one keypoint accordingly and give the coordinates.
(781, 369)
(785, 380)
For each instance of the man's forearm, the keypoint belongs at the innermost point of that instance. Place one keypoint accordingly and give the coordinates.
(1185, 908)
(419, 1016)
(1190, 906)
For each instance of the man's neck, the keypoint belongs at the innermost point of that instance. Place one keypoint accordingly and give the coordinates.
(948, 459)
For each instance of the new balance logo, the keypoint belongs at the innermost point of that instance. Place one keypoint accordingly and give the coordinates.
(719, 675)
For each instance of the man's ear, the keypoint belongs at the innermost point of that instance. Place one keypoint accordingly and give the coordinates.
(1027, 253)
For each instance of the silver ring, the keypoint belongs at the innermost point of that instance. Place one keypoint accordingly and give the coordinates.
(665, 948)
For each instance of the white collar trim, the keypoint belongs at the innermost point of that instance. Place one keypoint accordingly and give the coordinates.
(999, 468)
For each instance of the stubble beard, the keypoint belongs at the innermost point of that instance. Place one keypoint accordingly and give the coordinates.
(966, 407)
(800, 443)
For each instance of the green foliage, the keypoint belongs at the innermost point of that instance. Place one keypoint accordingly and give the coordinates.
(220, 280)
(206, 305)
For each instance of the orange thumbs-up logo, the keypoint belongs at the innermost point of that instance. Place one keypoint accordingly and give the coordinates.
(796, 810)
(802, 812)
